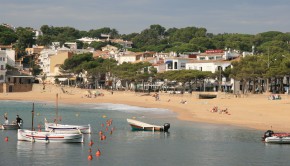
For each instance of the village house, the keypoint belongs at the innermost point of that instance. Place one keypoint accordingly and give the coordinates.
(50, 61)
(11, 79)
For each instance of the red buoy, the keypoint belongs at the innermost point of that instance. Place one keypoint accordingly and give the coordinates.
(103, 137)
(6, 139)
(100, 133)
(98, 153)
(91, 143)
(90, 157)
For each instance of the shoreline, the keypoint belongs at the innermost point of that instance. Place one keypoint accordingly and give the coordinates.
(252, 111)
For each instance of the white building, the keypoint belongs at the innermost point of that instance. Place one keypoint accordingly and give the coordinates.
(176, 63)
(214, 61)
(3, 62)
(44, 60)
(89, 40)
(7, 56)
(207, 65)
(128, 57)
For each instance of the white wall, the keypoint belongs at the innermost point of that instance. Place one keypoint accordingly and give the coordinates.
(209, 66)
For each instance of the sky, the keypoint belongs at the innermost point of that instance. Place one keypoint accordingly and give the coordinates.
(129, 16)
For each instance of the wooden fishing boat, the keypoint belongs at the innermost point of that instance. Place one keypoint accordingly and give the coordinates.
(277, 138)
(138, 125)
(10, 126)
(65, 128)
(47, 137)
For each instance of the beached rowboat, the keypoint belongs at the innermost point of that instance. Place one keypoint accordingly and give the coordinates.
(47, 137)
(137, 125)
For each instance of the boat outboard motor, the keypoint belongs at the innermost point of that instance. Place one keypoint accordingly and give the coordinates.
(166, 126)
(268, 133)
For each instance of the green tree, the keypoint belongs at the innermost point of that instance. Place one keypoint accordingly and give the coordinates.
(25, 38)
(7, 36)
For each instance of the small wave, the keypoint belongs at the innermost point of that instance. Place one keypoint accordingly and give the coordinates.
(131, 109)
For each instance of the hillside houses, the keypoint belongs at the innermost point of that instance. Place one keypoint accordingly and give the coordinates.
(12, 77)
(50, 59)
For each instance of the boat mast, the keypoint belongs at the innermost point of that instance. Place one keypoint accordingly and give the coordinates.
(32, 112)
(56, 109)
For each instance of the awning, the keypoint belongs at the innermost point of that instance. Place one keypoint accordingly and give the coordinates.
(169, 61)
(62, 79)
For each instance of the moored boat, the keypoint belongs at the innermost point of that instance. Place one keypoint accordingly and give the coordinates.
(65, 128)
(84, 129)
(138, 125)
(47, 137)
(278, 138)
(10, 126)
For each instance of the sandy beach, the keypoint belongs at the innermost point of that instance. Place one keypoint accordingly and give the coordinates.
(252, 111)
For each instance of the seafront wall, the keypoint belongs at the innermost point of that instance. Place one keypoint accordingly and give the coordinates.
(10, 88)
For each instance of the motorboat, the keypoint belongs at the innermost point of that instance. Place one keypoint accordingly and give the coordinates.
(278, 138)
(138, 125)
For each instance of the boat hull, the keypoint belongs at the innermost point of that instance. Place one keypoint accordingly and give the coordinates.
(48, 137)
(61, 128)
(141, 126)
(10, 127)
(278, 140)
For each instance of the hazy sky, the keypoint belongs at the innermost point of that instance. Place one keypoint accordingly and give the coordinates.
(128, 16)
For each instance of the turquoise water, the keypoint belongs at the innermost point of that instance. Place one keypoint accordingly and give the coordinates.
(186, 144)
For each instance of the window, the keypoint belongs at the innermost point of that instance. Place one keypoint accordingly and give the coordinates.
(2, 67)
(182, 66)
(1, 77)
(175, 65)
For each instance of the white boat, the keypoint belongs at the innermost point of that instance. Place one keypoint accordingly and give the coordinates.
(10, 126)
(278, 138)
(47, 137)
(65, 128)
(138, 125)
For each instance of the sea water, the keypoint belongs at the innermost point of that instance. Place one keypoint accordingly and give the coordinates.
(186, 143)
